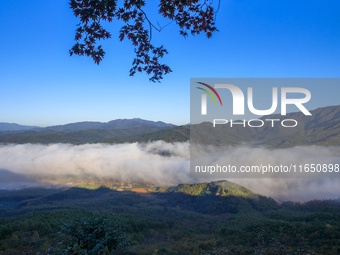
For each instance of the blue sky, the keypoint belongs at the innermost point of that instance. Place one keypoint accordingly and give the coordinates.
(40, 84)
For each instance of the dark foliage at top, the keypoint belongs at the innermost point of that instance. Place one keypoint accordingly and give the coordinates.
(192, 16)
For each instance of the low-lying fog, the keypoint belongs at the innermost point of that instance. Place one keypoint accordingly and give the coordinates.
(157, 163)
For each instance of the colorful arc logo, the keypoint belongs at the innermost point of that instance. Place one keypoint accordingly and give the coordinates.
(208, 92)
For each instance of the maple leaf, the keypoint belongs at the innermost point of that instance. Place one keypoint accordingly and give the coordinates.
(194, 16)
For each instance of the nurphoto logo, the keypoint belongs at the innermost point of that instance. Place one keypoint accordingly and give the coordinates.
(264, 128)
(238, 106)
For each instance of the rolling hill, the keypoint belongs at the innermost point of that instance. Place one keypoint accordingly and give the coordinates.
(208, 198)
(203, 218)
(198, 218)
(173, 134)
(87, 125)
(83, 132)
(322, 128)
(4, 126)
(111, 125)
(74, 137)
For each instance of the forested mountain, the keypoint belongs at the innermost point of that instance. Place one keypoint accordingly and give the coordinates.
(86, 125)
(111, 125)
(322, 128)
(4, 126)
(203, 218)
(83, 132)
(74, 137)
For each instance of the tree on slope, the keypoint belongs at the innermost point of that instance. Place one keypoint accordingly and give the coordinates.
(98, 233)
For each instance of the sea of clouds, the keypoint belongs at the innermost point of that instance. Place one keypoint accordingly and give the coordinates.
(157, 163)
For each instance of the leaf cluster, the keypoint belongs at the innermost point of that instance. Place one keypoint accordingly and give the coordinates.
(192, 16)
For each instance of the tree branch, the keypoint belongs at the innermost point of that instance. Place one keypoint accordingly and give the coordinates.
(194, 16)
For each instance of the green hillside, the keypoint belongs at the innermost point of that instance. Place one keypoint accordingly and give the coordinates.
(203, 218)
(217, 198)
(219, 188)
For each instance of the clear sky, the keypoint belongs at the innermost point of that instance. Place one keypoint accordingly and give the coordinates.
(40, 84)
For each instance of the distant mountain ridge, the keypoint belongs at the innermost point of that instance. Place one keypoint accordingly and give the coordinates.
(87, 125)
(83, 132)
(4, 126)
(322, 128)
